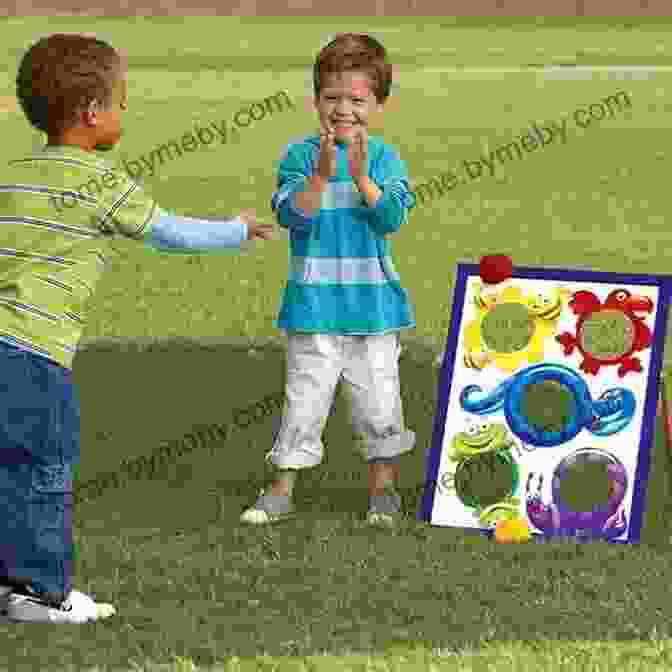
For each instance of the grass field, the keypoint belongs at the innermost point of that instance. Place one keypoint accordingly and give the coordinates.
(175, 342)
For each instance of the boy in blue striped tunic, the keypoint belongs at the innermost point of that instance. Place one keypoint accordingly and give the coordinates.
(52, 255)
(340, 195)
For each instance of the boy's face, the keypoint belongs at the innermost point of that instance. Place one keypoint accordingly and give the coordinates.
(346, 104)
(108, 121)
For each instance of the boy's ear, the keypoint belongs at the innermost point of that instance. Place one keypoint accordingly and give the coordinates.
(89, 115)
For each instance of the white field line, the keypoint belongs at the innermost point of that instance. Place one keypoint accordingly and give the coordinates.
(558, 72)
(551, 68)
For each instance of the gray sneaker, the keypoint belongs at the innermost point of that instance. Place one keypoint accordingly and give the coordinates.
(384, 510)
(268, 509)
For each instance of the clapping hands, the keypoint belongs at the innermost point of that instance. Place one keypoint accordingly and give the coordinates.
(358, 153)
(326, 165)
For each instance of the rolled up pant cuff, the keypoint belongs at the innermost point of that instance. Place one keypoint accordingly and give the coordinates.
(389, 447)
(392, 446)
(295, 460)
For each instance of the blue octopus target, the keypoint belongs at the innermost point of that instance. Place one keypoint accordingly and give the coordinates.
(550, 380)
(608, 414)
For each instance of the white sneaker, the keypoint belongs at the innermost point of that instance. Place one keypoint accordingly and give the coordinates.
(77, 608)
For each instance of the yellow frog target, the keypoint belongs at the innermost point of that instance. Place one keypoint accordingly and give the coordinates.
(510, 328)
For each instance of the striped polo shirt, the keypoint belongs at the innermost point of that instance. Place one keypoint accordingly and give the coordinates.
(59, 208)
(342, 279)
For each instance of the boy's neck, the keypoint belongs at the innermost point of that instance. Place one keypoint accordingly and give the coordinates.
(71, 140)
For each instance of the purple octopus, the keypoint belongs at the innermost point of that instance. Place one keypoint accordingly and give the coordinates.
(606, 521)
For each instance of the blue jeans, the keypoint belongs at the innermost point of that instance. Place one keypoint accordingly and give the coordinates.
(39, 449)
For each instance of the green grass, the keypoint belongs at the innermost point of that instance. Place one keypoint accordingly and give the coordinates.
(190, 584)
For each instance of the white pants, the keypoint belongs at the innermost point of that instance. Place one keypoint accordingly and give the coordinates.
(369, 366)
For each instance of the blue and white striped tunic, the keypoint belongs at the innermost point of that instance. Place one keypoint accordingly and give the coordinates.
(341, 276)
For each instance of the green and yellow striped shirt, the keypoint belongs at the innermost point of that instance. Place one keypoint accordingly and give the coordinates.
(59, 208)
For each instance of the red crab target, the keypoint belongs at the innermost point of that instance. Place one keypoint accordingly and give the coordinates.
(609, 333)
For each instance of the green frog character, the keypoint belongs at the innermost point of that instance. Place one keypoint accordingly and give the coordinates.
(481, 439)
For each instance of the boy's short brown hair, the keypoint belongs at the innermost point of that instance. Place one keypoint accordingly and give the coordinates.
(352, 51)
(61, 74)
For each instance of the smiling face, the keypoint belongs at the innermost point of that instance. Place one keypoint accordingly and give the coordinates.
(479, 437)
(622, 299)
(546, 304)
(346, 104)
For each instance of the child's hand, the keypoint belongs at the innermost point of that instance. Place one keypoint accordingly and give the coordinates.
(358, 153)
(326, 165)
(255, 228)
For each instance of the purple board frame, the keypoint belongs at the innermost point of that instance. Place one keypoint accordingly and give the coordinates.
(664, 285)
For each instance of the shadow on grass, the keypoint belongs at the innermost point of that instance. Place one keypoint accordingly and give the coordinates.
(138, 397)
(188, 580)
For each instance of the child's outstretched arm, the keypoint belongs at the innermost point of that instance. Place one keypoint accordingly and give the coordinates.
(172, 233)
(132, 213)
(391, 209)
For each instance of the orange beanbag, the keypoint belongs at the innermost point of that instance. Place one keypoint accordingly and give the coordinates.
(512, 531)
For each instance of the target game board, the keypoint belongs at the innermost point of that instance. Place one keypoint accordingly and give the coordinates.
(547, 402)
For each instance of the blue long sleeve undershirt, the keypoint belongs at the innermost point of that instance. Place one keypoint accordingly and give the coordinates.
(188, 235)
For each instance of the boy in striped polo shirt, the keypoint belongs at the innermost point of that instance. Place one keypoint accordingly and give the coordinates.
(54, 241)
(341, 194)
